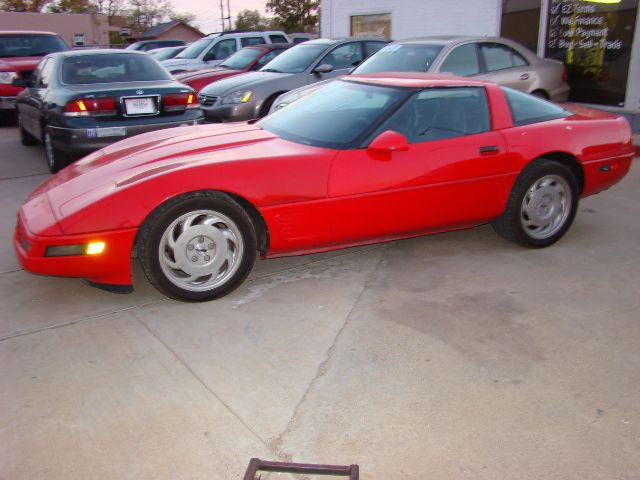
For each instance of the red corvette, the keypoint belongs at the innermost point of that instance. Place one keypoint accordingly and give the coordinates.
(365, 159)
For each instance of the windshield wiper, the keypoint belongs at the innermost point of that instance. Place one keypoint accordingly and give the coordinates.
(273, 70)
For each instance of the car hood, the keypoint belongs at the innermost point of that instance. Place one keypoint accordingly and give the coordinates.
(212, 73)
(244, 80)
(137, 159)
(19, 63)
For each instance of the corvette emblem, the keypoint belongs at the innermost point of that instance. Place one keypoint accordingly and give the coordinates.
(139, 92)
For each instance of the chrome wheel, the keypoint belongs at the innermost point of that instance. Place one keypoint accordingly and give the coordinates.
(546, 207)
(201, 250)
(49, 152)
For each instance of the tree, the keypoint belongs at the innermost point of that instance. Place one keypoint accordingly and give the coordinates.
(71, 6)
(250, 20)
(188, 18)
(144, 14)
(110, 8)
(295, 15)
(23, 5)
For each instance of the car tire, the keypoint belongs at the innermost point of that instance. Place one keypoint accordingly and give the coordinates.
(197, 247)
(541, 206)
(26, 138)
(56, 160)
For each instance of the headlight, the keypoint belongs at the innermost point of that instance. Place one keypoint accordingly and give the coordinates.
(8, 77)
(237, 97)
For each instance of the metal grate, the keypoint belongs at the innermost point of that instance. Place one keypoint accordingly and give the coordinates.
(257, 465)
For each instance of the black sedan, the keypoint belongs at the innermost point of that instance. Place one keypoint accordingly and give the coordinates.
(79, 101)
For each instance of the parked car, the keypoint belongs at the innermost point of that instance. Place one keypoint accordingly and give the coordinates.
(495, 59)
(20, 53)
(80, 101)
(213, 49)
(366, 159)
(297, 38)
(244, 60)
(146, 45)
(250, 95)
(165, 53)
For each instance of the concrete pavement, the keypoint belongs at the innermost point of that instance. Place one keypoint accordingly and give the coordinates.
(457, 355)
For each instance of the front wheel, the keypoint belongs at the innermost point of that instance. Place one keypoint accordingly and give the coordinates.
(541, 206)
(198, 247)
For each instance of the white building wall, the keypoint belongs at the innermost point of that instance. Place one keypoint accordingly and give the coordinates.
(415, 18)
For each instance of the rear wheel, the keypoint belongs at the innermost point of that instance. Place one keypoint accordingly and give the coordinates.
(541, 206)
(56, 160)
(198, 247)
(26, 138)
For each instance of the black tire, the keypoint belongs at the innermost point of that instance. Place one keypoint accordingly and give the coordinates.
(56, 160)
(197, 247)
(266, 106)
(26, 138)
(541, 206)
(540, 94)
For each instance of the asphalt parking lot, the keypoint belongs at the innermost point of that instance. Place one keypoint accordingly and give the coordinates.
(454, 356)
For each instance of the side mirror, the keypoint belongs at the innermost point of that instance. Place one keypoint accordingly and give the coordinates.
(389, 141)
(324, 68)
(20, 82)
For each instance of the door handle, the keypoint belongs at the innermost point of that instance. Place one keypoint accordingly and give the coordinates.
(524, 76)
(489, 149)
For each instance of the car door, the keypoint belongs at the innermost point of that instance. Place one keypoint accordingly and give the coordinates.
(454, 173)
(503, 65)
(34, 102)
(342, 58)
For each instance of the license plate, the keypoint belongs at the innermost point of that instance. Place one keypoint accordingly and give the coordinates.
(140, 106)
(111, 132)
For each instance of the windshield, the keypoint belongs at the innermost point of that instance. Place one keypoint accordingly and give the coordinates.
(195, 49)
(165, 53)
(111, 68)
(241, 59)
(24, 45)
(295, 60)
(401, 58)
(335, 116)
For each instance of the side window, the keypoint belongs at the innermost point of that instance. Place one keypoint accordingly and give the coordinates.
(221, 50)
(46, 71)
(373, 47)
(441, 113)
(278, 39)
(344, 56)
(247, 41)
(526, 109)
(463, 61)
(498, 57)
(266, 58)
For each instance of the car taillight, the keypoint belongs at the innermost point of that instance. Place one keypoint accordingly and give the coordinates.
(89, 107)
(179, 101)
(565, 77)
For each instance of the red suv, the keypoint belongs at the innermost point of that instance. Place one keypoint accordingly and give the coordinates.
(20, 53)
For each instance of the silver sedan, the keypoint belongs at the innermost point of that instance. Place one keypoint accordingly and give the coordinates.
(488, 58)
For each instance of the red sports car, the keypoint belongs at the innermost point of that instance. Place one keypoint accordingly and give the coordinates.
(365, 159)
(246, 59)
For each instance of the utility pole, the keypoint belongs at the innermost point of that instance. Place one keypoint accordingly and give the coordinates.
(228, 17)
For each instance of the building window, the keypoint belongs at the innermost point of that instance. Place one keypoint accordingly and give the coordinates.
(377, 25)
(78, 39)
(594, 41)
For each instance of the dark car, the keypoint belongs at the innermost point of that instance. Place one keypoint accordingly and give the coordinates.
(146, 45)
(80, 101)
(20, 53)
(251, 94)
(246, 59)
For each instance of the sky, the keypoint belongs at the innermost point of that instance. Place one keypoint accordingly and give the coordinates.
(208, 11)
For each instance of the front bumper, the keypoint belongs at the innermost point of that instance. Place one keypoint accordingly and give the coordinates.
(8, 103)
(111, 268)
(237, 112)
(86, 140)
